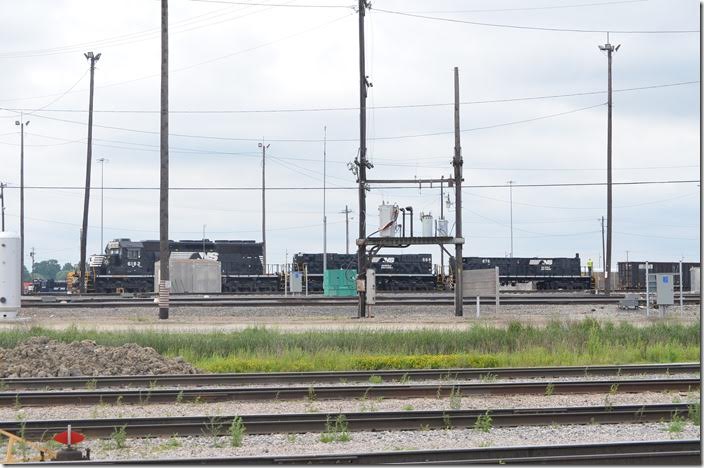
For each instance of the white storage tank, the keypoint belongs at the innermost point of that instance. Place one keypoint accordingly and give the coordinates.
(10, 279)
(388, 215)
(426, 221)
(442, 228)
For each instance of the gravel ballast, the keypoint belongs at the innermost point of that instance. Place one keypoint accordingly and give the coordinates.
(230, 408)
(300, 444)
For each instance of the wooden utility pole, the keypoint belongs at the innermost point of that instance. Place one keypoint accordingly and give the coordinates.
(325, 215)
(610, 49)
(362, 164)
(347, 212)
(21, 124)
(457, 164)
(442, 217)
(164, 253)
(89, 157)
(603, 249)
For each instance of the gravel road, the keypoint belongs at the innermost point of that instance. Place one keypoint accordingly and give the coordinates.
(320, 317)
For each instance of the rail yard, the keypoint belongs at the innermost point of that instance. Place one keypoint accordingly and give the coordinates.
(515, 277)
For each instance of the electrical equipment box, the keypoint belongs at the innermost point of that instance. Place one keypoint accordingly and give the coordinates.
(664, 288)
(371, 286)
(296, 282)
(630, 301)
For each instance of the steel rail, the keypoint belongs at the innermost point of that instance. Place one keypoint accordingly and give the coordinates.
(344, 376)
(366, 421)
(639, 452)
(83, 397)
(338, 302)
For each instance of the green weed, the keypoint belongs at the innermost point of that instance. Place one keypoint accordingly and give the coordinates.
(483, 422)
(336, 431)
(236, 431)
(550, 389)
(119, 437)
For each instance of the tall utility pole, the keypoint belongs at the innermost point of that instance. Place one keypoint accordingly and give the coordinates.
(263, 147)
(362, 164)
(325, 217)
(457, 164)
(510, 200)
(22, 124)
(89, 157)
(102, 162)
(164, 252)
(2, 204)
(610, 49)
(347, 212)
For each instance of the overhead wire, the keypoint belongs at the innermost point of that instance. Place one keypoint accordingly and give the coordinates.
(356, 109)
(535, 28)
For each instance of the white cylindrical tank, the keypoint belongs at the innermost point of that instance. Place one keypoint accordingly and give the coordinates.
(10, 279)
(426, 221)
(442, 228)
(388, 214)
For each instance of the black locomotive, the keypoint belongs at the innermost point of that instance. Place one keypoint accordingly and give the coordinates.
(398, 272)
(129, 266)
(544, 273)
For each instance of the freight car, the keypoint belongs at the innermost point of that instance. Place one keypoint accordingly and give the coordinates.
(129, 265)
(400, 272)
(544, 273)
(631, 275)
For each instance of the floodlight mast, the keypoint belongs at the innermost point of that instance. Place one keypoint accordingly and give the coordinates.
(609, 49)
(21, 123)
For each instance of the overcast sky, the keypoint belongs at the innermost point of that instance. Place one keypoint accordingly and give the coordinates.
(228, 58)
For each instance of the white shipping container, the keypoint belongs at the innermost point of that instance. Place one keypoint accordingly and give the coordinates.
(10, 278)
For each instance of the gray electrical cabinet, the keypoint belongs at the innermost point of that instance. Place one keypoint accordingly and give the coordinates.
(664, 288)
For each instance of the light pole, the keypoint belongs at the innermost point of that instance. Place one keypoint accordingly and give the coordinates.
(22, 124)
(263, 147)
(610, 49)
(2, 205)
(510, 198)
(102, 162)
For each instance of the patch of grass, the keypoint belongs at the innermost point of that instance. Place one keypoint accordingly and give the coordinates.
(91, 384)
(676, 423)
(614, 389)
(587, 342)
(483, 422)
(549, 389)
(171, 443)
(236, 431)
(446, 421)
(179, 397)
(119, 437)
(694, 412)
(291, 438)
(455, 398)
(376, 379)
(336, 431)
(407, 407)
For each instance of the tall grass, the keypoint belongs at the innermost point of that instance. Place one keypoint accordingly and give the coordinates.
(259, 349)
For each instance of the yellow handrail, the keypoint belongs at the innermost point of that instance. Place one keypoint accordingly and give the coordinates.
(45, 454)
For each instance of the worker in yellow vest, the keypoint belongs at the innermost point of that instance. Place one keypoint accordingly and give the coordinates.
(590, 266)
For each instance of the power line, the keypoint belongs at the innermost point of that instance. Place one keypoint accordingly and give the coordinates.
(316, 140)
(553, 7)
(334, 109)
(414, 187)
(536, 28)
(284, 5)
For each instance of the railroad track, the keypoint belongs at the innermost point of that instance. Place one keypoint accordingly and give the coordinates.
(281, 301)
(84, 397)
(685, 452)
(346, 376)
(367, 421)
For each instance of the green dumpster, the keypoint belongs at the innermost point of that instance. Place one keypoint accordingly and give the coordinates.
(340, 283)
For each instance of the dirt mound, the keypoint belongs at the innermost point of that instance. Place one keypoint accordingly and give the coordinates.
(43, 357)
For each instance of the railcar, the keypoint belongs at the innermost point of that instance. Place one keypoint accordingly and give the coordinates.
(631, 275)
(544, 273)
(397, 272)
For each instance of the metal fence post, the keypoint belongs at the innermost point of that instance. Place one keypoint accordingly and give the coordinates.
(647, 291)
(478, 306)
